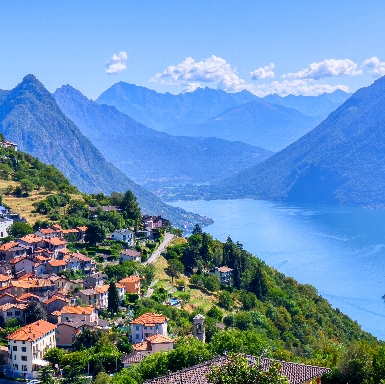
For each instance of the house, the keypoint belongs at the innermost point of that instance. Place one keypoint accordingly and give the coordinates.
(148, 324)
(153, 344)
(8, 144)
(72, 234)
(3, 210)
(26, 349)
(94, 280)
(12, 311)
(55, 244)
(121, 292)
(86, 264)
(55, 266)
(66, 285)
(55, 303)
(132, 359)
(155, 222)
(225, 274)
(12, 249)
(131, 284)
(32, 285)
(130, 255)
(22, 265)
(4, 225)
(123, 235)
(6, 297)
(5, 281)
(295, 372)
(33, 241)
(82, 313)
(97, 297)
(53, 231)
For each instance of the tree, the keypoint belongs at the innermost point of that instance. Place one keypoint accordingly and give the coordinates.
(34, 312)
(55, 356)
(102, 378)
(197, 230)
(215, 313)
(239, 370)
(130, 207)
(95, 233)
(50, 186)
(211, 283)
(26, 186)
(47, 375)
(174, 269)
(87, 339)
(225, 300)
(19, 229)
(113, 299)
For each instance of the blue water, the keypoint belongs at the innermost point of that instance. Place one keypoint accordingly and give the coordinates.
(339, 250)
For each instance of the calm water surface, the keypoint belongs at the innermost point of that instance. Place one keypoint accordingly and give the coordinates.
(339, 250)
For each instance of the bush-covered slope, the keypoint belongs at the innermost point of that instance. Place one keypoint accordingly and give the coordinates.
(145, 154)
(30, 117)
(341, 161)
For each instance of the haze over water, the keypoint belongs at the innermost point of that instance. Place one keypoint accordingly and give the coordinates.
(339, 250)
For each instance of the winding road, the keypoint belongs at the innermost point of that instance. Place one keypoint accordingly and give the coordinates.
(168, 237)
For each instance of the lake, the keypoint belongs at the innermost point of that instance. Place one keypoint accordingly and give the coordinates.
(339, 250)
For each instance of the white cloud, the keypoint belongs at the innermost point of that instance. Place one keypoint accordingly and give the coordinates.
(189, 74)
(326, 68)
(377, 68)
(263, 72)
(117, 63)
(211, 70)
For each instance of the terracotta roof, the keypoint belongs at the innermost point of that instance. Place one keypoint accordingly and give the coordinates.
(56, 313)
(83, 229)
(5, 247)
(27, 296)
(42, 258)
(32, 331)
(159, 339)
(68, 231)
(15, 260)
(120, 286)
(57, 227)
(31, 283)
(81, 257)
(54, 298)
(47, 231)
(102, 288)
(140, 346)
(76, 310)
(57, 263)
(150, 318)
(4, 277)
(56, 241)
(26, 276)
(130, 279)
(6, 294)
(31, 239)
(296, 373)
(8, 306)
(224, 269)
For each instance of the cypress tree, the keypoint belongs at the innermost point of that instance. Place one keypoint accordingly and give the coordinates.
(113, 298)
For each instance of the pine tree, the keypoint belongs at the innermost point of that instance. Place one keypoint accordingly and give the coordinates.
(113, 299)
(130, 207)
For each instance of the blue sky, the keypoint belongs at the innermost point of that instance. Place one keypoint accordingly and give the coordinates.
(181, 45)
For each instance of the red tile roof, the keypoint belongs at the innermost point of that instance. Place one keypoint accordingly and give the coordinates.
(8, 306)
(150, 318)
(159, 339)
(57, 263)
(31, 239)
(32, 331)
(55, 241)
(81, 257)
(130, 279)
(7, 246)
(76, 310)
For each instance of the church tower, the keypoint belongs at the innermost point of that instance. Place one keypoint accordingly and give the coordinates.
(199, 327)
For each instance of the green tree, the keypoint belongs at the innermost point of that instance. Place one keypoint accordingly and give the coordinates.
(19, 229)
(113, 299)
(55, 356)
(50, 186)
(225, 300)
(239, 370)
(47, 375)
(102, 378)
(87, 339)
(26, 186)
(174, 269)
(130, 207)
(34, 312)
(95, 233)
(197, 230)
(215, 313)
(211, 283)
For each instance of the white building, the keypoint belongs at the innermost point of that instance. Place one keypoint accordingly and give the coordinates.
(123, 235)
(130, 255)
(225, 274)
(27, 346)
(4, 225)
(147, 325)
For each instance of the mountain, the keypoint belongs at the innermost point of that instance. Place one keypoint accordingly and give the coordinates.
(30, 117)
(341, 161)
(163, 111)
(317, 106)
(257, 123)
(145, 154)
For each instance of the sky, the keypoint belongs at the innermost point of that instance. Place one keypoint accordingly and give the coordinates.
(275, 46)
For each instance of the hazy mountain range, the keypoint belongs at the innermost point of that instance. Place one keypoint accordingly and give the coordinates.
(30, 116)
(238, 116)
(145, 154)
(341, 161)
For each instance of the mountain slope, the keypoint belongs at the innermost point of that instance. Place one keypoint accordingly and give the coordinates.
(340, 161)
(30, 117)
(317, 106)
(163, 111)
(257, 123)
(145, 154)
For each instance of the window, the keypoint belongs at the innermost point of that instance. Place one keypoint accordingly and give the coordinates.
(24, 368)
(57, 331)
(14, 357)
(137, 336)
(23, 358)
(9, 314)
(137, 327)
(15, 367)
(23, 349)
(14, 348)
(17, 313)
(57, 339)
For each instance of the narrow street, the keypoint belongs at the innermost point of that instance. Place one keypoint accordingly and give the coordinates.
(163, 245)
